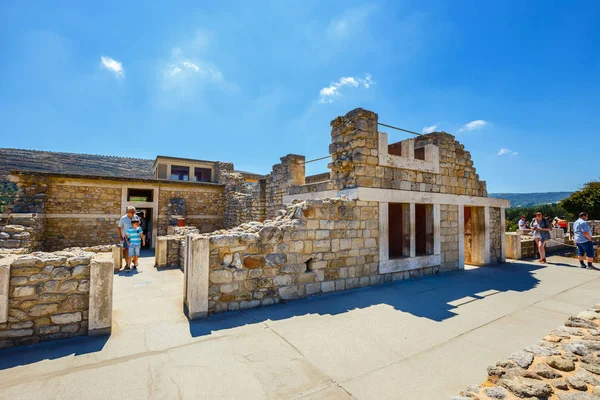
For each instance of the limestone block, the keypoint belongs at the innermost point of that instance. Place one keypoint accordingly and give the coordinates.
(221, 276)
(43, 309)
(66, 318)
(24, 291)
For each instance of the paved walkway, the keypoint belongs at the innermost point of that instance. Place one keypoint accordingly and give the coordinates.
(420, 339)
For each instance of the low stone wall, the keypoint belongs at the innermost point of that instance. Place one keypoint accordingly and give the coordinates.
(22, 231)
(15, 237)
(313, 247)
(564, 365)
(522, 246)
(79, 232)
(46, 296)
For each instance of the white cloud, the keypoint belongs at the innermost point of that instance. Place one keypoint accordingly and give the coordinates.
(187, 74)
(328, 94)
(113, 65)
(429, 129)
(473, 125)
(349, 24)
(504, 151)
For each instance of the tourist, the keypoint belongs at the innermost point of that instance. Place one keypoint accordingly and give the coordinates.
(523, 223)
(124, 224)
(563, 224)
(583, 240)
(143, 223)
(541, 234)
(135, 240)
(555, 222)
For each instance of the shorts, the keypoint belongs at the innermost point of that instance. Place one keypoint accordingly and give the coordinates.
(125, 245)
(134, 251)
(586, 248)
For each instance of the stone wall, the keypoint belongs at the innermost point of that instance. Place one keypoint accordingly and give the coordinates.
(61, 233)
(495, 236)
(290, 172)
(205, 208)
(82, 199)
(563, 365)
(48, 297)
(31, 195)
(355, 161)
(312, 247)
(23, 231)
(449, 238)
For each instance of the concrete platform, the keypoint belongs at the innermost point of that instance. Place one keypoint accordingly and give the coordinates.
(420, 339)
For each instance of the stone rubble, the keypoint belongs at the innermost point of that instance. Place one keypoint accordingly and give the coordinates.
(564, 365)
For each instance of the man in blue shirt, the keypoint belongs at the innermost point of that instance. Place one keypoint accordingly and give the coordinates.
(583, 240)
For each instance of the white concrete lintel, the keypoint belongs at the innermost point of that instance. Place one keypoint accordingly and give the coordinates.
(404, 196)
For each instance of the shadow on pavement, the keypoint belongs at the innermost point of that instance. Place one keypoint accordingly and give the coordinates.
(428, 297)
(23, 355)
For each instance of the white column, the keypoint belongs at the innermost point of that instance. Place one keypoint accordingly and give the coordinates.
(384, 239)
(487, 241)
(461, 236)
(101, 295)
(503, 235)
(437, 241)
(413, 242)
(196, 274)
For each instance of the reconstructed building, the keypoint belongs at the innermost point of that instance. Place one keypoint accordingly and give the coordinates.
(383, 212)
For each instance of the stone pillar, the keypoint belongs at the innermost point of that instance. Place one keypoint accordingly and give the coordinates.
(461, 236)
(413, 235)
(503, 237)
(384, 239)
(513, 246)
(117, 256)
(196, 276)
(354, 150)
(101, 295)
(488, 241)
(296, 167)
(161, 252)
(437, 242)
(5, 287)
(408, 224)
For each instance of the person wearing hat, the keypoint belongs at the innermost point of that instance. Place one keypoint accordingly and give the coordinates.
(541, 233)
(135, 240)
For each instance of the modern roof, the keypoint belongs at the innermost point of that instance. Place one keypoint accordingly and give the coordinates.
(74, 163)
(79, 164)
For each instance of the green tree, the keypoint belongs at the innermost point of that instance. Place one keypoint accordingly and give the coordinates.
(513, 215)
(586, 199)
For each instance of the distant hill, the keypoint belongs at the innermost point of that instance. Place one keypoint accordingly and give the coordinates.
(531, 199)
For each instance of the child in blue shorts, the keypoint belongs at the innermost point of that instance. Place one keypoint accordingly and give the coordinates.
(135, 239)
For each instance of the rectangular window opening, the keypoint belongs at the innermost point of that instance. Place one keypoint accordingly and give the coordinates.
(395, 149)
(202, 174)
(145, 195)
(420, 153)
(179, 173)
(423, 229)
(399, 230)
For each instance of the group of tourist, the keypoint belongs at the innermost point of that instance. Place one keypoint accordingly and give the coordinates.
(132, 237)
(541, 226)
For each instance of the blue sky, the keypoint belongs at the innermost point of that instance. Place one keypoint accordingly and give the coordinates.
(516, 81)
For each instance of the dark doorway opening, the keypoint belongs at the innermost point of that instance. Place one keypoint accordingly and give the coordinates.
(146, 224)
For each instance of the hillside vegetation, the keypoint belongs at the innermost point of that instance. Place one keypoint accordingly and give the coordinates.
(531, 199)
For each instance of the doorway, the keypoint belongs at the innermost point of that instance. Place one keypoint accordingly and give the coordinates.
(146, 223)
(474, 235)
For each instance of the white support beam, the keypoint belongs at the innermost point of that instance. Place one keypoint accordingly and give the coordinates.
(461, 236)
(413, 234)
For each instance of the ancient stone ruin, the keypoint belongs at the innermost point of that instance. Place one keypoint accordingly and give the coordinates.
(383, 212)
